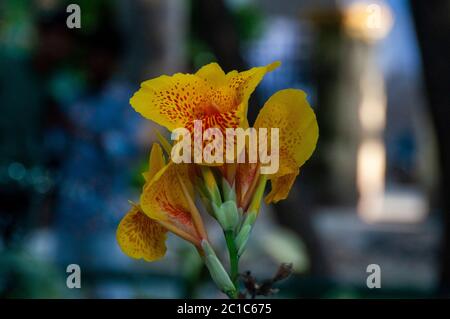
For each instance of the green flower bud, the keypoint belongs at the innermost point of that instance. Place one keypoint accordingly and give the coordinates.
(207, 248)
(227, 214)
(242, 238)
(219, 275)
(228, 191)
(216, 270)
(241, 249)
(250, 218)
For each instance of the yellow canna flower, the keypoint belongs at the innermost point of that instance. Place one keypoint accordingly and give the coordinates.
(232, 191)
(166, 205)
(220, 100)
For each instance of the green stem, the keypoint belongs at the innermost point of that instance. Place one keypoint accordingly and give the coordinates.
(234, 259)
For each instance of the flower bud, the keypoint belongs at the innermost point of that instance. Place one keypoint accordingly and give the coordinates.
(219, 275)
(208, 250)
(228, 191)
(216, 269)
(227, 214)
(242, 238)
(250, 218)
(211, 185)
(258, 194)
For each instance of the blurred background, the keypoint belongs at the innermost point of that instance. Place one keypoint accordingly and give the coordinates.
(376, 191)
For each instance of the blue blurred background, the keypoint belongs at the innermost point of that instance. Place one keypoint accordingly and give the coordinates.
(72, 149)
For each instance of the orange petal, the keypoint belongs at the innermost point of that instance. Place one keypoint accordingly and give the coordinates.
(246, 176)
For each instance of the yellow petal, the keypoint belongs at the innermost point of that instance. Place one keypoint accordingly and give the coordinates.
(280, 188)
(212, 73)
(218, 99)
(244, 83)
(171, 101)
(163, 199)
(140, 237)
(289, 111)
(156, 160)
(230, 94)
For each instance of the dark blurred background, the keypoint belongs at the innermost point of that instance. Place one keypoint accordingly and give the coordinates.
(376, 191)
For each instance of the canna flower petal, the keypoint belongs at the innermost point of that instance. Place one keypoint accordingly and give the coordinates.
(167, 198)
(141, 237)
(218, 99)
(281, 187)
(138, 235)
(234, 86)
(246, 177)
(213, 74)
(289, 111)
(155, 163)
(172, 101)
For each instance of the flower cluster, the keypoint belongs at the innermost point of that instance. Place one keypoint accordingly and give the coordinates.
(230, 192)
